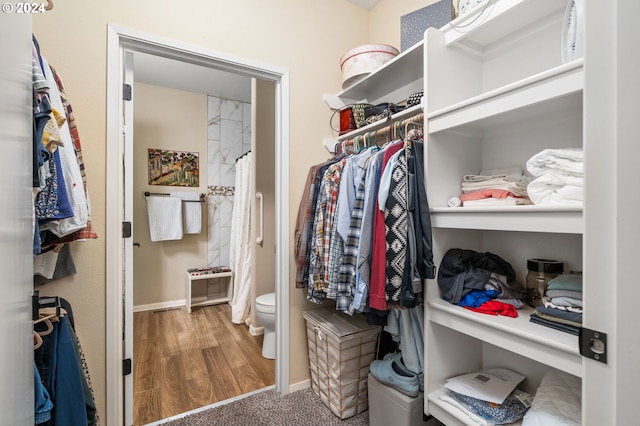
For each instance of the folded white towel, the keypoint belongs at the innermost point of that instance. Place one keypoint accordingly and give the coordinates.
(565, 160)
(558, 401)
(512, 173)
(165, 218)
(556, 188)
(191, 211)
(477, 181)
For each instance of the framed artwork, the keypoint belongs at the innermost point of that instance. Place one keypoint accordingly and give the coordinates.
(173, 168)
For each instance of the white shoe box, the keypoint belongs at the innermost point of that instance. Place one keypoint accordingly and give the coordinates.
(388, 406)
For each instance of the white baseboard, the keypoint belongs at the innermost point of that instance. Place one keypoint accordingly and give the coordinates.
(256, 331)
(305, 384)
(160, 305)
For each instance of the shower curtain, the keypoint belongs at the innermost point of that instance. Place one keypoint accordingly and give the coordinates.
(241, 242)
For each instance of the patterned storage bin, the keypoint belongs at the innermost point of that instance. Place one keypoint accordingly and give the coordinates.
(341, 347)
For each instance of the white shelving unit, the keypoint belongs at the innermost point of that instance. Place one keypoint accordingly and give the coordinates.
(497, 93)
(220, 298)
(392, 82)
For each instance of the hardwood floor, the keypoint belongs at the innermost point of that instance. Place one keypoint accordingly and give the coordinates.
(185, 361)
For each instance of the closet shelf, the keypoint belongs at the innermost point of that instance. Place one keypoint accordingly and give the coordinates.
(392, 82)
(542, 344)
(449, 414)
(556, 219)
(404, 114)
(557, 89)
(480, 28)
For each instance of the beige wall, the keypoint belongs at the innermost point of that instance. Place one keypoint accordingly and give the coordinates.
(263, 146)
(175, 120)
(307, 38)
(384, 19)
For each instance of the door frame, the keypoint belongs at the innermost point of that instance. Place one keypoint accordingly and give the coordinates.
(119, 40)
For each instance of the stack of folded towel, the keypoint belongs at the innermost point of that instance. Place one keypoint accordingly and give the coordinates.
(562, 307)
(558, 401)
(488, 397)
(495, 187)
(558, 176)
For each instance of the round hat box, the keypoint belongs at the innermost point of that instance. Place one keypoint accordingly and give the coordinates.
(359, 62)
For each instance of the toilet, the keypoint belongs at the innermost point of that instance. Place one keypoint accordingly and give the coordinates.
(266, 314)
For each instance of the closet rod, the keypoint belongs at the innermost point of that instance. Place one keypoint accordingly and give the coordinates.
(201, 200)
(384, 131)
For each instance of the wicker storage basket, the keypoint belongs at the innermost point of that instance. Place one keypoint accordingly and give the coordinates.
(341, 347)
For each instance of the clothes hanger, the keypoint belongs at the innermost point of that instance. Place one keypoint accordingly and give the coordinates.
(47, 321)
(412, 134)
(48, 316)
(37, 340)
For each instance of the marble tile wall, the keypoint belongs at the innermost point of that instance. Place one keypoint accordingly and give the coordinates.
(229, 136)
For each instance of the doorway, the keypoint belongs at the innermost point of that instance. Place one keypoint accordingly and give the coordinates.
(123, 45)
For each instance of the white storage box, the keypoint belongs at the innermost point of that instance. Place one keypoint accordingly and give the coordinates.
(391, 407)
(361, 61)
(341, 347)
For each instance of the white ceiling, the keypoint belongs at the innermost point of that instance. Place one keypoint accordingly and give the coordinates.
(367, 4)
(159, 71)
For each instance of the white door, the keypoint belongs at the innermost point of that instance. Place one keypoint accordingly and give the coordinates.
(16, 238)
(127, 276)
(120, 194)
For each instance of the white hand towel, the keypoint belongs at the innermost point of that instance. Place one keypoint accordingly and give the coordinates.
(165, 218)
(191, 211)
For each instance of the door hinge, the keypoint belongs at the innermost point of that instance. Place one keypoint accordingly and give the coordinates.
(127, 92)
(593, 344)
(126, 367)
(126, 229)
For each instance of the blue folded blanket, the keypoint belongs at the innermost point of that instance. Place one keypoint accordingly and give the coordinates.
(572, 282)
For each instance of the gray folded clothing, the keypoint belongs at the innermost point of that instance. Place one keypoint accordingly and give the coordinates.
(573, 318)
(564, 293)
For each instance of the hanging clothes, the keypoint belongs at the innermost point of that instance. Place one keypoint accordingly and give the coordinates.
(377, 285)
(69, 169)
(62, 206)
(363, 234)
(62, 372)
(306, 219)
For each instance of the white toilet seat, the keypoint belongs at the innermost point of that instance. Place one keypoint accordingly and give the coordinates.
(266, 303)
(266, 313)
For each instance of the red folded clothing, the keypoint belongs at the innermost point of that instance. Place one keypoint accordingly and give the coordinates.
(495, 307)
(481, 194)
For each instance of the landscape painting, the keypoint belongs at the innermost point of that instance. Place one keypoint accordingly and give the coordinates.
(173, 168)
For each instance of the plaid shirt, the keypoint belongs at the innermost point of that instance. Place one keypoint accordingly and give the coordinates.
(347, 278)
(306, 225)
(333, 241)
(316, 265)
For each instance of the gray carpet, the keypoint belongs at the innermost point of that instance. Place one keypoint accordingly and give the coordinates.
(298, 408)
